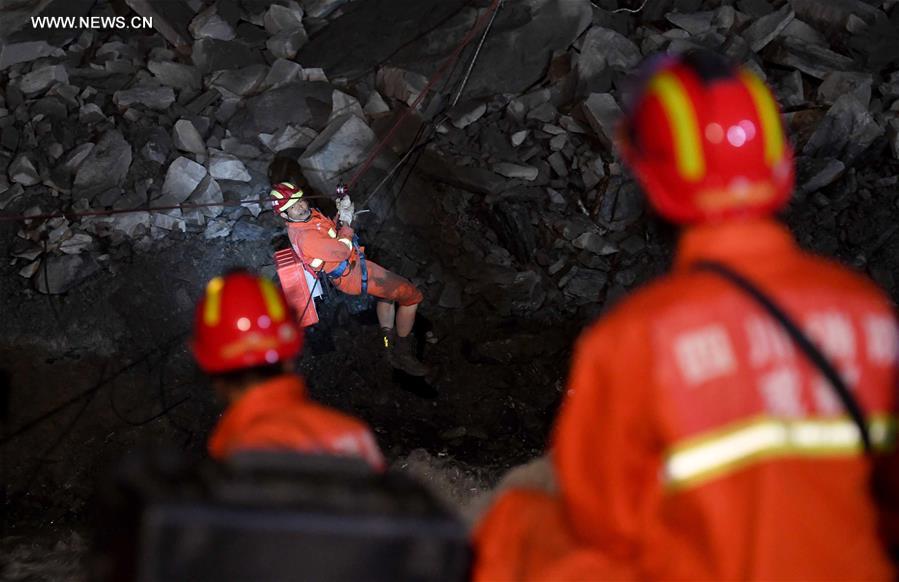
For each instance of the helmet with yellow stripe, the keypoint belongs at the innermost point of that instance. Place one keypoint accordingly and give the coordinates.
(243, 321)
(706, 142)
(284, 195)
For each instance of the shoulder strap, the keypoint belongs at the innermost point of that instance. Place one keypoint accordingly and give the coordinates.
(805, 344)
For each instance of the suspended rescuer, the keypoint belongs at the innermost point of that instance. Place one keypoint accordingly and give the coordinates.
(333, 249)
(698, 440)
(246, 340)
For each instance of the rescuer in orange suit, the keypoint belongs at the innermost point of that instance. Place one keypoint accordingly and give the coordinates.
(323, 246)
(696, 440)
(246, 340)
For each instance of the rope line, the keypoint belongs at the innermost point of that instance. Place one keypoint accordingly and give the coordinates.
(434, 78)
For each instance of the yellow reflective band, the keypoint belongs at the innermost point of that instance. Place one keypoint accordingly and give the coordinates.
(726, 451)
(772, 130)
(273, 303)
(212, 312)
(316, 263)
(683, 124)
(332, 233)
(347, 242)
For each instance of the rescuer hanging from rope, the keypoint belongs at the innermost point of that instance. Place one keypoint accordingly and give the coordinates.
(705, 435)
(332, 249)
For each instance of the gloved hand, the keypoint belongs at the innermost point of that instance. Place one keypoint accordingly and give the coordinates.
(346, 210)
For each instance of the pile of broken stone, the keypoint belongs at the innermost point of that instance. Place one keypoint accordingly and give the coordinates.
(194, 113)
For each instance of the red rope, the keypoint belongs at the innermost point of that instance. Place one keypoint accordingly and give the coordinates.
(74, 215)
(479, 23)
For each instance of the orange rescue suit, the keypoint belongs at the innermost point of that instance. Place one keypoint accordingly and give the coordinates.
(276, 415)
(322, 245)
(697, 443)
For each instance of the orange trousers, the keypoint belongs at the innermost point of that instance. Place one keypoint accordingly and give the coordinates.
(382, 284)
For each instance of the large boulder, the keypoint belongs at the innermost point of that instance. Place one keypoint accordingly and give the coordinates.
(343, 144)
(302, 103)
(105, 167)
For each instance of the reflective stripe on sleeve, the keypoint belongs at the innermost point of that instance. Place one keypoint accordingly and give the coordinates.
(725, 451)
(347, 242)
(316, 263)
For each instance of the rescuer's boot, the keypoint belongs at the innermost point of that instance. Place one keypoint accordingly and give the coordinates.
(401, 354)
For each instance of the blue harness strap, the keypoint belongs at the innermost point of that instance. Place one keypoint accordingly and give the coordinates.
(344, 266)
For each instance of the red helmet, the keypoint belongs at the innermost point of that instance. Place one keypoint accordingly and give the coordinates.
(284, 195)
(243, 321)
(706, 141)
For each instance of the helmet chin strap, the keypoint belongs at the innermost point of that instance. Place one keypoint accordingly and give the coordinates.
(287, 217)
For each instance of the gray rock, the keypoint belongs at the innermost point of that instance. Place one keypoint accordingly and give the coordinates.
(105, 167)
(839, 83)
(158, 98)
(211, 54)
(558, 164)
(244, 81)
(176, 75)
(282, 72)
(279, 18)
(894, 137)
(890, 88)
(40, 80)
(217, 229)
(800, 31)
(344, 143)
(516, 171)
(63, 172)
(227, 167)
(586, 285)
(62, 273)
(846, 131)
(287, 43)
(832, 16)
(22, 171)
(696, 23)
(187, 139)
(208, 191)
(209, 24)
(399, 84)
(168, 221)
(321, 8)
(341, 104)
(812, 174)
(23, 52)
(545, 112)
(287, 138)
(810, 59)
(76, 244)
(376, 105)
(170, 18)
(767, 28)
(90, 113)
(602, 112)
(301, 103)
(594, 243)
(244, 230)
(466, 113)
(181, 179)
(527, 293)
(604, 48)
(623, 206)
(518, 137)
(788, 88)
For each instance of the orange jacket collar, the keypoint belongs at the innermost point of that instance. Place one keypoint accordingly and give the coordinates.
(275, 394)
(733, 242)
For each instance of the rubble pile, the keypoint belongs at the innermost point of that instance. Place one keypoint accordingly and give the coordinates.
(545, 215)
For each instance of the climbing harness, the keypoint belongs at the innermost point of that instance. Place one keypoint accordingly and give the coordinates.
(345, 266)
